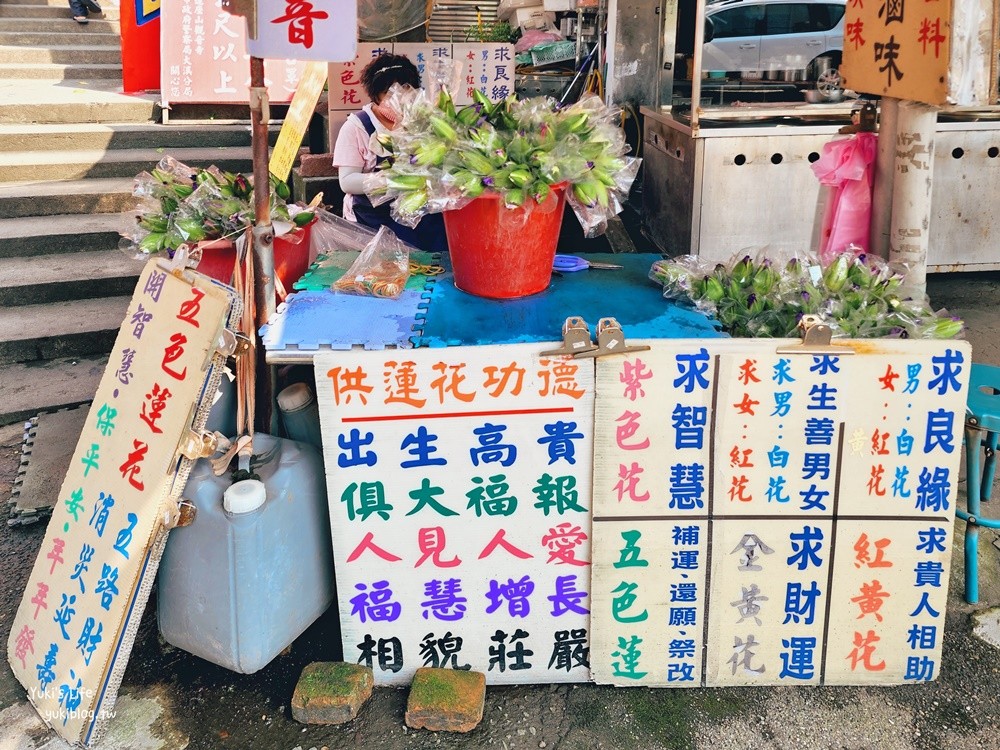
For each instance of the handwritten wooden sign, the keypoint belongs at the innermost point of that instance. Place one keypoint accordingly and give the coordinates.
(459, 487)
(74, 628)
(774, 519)
(899, 49)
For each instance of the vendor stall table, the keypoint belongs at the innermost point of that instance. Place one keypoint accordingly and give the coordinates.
(497, 508)
(441, 315)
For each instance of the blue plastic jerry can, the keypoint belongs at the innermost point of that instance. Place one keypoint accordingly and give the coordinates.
(255, 568)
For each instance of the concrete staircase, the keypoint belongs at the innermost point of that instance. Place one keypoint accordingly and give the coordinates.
(70, 145)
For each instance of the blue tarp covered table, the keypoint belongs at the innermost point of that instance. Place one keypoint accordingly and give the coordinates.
(441, 315)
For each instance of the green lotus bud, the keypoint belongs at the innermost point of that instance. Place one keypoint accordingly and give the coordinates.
(835, 275)
(514, 198)
(520, 177)
(442, 129)
(944, 328)
(152, 242)
(476, 162)
(714, 289)
(407, 182)
(412, 203)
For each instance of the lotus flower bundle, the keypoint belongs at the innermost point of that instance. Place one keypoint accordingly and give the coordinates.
(859, 296)
(182, 204)
(446, 156)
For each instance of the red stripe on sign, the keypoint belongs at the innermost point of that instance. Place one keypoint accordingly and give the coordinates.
(449, 415)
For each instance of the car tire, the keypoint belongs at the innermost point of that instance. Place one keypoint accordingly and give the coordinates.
(825, 73)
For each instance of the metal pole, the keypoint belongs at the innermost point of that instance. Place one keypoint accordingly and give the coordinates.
(263, 232)
(263, 238)
(911, 192)
(699, 42)
(884, 170)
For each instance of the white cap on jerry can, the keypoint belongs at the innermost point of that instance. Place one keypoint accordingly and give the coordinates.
(244, 497)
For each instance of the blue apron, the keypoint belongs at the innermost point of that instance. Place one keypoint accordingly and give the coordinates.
(428, 235)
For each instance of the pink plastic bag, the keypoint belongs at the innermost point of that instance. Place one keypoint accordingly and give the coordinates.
(846, 168)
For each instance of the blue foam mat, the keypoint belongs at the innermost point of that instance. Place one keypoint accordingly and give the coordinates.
(312, 320)
(450, 317)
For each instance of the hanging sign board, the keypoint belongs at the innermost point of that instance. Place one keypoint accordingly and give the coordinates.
(323, 30)
(73, 631)
(899, 49)
(459, 487)
(764, 518)
(297, 120)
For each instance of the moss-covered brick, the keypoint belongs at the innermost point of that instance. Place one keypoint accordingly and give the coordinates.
(330, 692)
(446, 700)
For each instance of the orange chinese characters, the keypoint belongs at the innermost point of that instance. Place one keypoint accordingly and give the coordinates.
(450, 381)
(870, 599)
(559, 378)
(738, 490)
(400, 379)
(864, 652)
(863, 556)
(348, 383)
(506, 379)
(748, 372)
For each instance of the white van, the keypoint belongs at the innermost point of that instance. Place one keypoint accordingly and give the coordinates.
(797, 39)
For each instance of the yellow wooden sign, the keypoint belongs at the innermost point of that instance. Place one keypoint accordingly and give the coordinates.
(73, 631)
(899, 49)
(296, 122)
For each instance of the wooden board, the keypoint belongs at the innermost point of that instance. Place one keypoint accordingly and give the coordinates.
(73, 631)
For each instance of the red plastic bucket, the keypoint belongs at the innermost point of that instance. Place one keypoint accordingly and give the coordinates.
(503, 253)
(291, 257)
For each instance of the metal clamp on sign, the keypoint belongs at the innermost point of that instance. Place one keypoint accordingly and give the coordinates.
(576, 339)
(195, 445)
(232, 344)
(816, 337)
(611, 340)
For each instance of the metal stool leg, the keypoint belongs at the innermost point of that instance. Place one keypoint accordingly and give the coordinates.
(989, 465)
(972, 496)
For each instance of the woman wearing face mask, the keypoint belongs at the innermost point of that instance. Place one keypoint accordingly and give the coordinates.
(353, 155)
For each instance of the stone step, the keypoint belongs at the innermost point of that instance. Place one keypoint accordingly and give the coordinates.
(67, 276)
(58, 25)
(82, 53)
(60, 329)
(71, 165)
(55, 72)
(128, 135)
(83, 35)
(30, 388)
(57, 197)
(48, 235)
(24, 9)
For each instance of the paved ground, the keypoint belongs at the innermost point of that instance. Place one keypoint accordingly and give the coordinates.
(173, 700)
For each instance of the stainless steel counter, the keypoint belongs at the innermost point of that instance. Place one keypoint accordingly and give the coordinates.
(742, 179)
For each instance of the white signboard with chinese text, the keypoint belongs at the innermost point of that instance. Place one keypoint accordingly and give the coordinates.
(323, 30)
(774, 519)
(485, 66)
(204, 58)
(459, 486)
(73, 631)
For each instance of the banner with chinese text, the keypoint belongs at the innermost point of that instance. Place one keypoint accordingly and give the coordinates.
(774, 519)
(485, 66)
(459, 483)
(204, 57)
(73, 631)
(898, 49)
